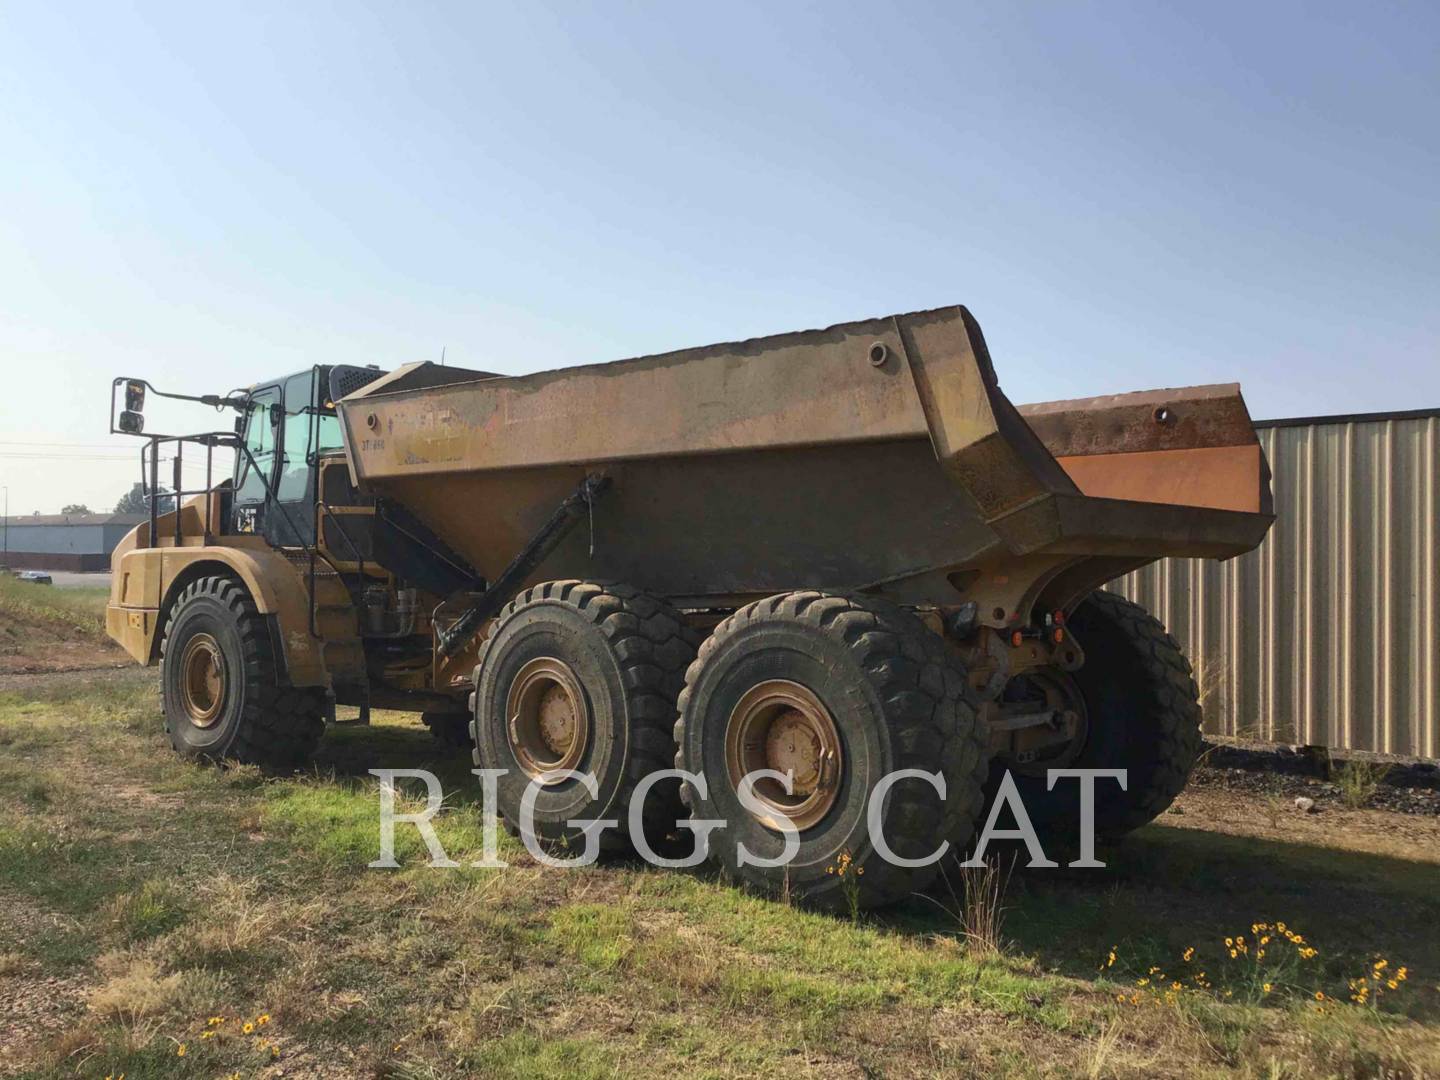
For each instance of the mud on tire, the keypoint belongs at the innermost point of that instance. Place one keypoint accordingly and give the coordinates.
(253, 717)
(628, 652)
(898, 699)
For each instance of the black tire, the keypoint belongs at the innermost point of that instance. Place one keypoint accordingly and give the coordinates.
(452, 729)
(898, 700)
(1143, 716)
(629, 652)
(258, 719)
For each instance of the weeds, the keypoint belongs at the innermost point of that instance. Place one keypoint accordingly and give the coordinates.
(849, 873)
(1359, 780)
(1273, 963)
(984, 913)
(977, 906)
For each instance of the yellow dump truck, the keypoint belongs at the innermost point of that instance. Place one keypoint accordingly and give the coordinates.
(833, 554)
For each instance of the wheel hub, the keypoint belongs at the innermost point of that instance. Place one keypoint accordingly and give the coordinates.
(1054, 696)
(548, 721)
(784, 726)
(202, 680)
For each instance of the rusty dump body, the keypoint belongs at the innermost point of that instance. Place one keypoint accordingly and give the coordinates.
(876, 456)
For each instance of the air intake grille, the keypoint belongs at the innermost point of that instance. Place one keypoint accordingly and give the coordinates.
(346, 379)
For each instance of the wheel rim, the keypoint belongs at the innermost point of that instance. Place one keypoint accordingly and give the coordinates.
(784, 726)
(202, 680)
(1059, 692)
(547, 720)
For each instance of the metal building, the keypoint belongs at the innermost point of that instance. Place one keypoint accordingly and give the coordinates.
(1327, 633)
(63, 541)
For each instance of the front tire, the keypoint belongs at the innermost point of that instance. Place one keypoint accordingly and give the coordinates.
(840, 691)
(221, 686)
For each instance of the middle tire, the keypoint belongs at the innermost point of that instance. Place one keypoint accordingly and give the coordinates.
(840, 691)
(577, 675)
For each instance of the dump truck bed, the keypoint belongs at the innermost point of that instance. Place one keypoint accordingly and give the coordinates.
(875, 455)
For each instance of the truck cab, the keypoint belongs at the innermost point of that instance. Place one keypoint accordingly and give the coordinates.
(287, 426)
(337, 588)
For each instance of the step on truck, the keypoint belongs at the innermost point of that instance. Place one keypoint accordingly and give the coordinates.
(832, 555)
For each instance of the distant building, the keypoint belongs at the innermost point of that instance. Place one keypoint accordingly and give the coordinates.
(63, 541)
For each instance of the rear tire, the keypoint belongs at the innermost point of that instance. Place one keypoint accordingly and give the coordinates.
(1143, 716)
(591, 673)
(450, 729)
(878, 692)
(221, 686)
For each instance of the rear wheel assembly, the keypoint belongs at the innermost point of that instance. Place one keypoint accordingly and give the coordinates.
(452, 729)
(221, 687)
(1133, 706)
(581, 676)
(838, 692)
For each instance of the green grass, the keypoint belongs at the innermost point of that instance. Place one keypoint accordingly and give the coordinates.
(181, 893)
(83, 607)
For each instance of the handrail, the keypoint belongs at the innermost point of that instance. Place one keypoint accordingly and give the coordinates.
(210, 440)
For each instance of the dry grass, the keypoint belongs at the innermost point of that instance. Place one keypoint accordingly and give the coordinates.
(134, 989)
(982, 911)
(164, 895)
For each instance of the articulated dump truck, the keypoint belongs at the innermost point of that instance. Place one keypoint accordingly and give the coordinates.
(793, 566)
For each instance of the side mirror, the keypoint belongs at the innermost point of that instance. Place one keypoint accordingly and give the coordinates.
(135, 397)
(131, 422)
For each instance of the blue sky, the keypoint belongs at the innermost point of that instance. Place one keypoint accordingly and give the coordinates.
(1126, 195)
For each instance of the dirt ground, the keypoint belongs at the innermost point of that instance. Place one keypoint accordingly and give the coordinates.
(35, 644)
(47, 628)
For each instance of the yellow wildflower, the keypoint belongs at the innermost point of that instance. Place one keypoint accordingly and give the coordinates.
(1266, 988)
(1188, 953)
(180, 1050)
(263, 1019)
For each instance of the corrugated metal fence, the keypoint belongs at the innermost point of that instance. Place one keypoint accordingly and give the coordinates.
(1326, 634)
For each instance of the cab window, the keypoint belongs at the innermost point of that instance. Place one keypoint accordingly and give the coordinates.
(330, 437)
(260, 441)
(299, 426)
